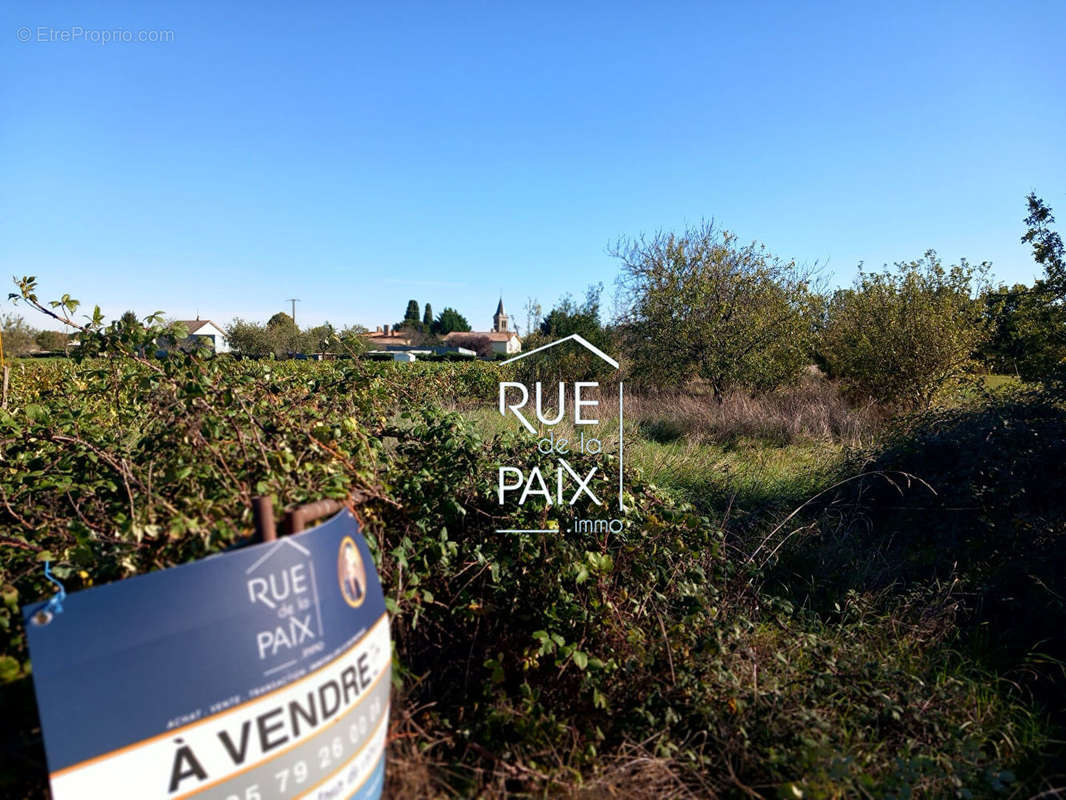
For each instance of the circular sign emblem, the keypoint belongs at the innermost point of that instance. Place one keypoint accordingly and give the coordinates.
(351, 573)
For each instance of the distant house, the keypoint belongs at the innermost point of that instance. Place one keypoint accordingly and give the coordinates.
(506, 342)
(389, 338)
(415, 352)
(503, 339)
(204, 330)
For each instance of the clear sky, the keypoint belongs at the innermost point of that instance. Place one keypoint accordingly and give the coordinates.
(355, 155)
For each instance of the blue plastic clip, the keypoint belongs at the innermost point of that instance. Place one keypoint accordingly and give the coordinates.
(54, 605)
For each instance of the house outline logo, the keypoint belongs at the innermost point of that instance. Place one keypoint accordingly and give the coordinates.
(285, 542)
(572, 337)
(580, 340)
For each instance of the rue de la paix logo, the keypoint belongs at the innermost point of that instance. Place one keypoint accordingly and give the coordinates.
(576, 403)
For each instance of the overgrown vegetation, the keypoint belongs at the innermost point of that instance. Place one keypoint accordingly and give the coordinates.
(809, 597)
(694, 653)
(16, 337)
(282, 337)
(566, 364)
(1026, 333)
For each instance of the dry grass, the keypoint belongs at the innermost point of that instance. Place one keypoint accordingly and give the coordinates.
(746, 451)
(415, 772)
(812, 410)
(421, 766)
(638, 774)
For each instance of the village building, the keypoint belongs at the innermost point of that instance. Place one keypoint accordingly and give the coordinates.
(503, 338)
(204, 331)
(389, 338)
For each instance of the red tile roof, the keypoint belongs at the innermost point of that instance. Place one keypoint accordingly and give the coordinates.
(494, 336)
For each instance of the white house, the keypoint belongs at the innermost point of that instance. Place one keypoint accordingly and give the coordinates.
(506, 342)
(201, 330)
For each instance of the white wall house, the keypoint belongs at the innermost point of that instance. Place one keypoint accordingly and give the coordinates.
(505, 342)
(204, 329)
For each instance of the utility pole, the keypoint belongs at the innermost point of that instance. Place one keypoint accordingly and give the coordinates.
(294, 301)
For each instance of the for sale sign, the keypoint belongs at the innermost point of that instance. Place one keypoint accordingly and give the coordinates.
(258, 674)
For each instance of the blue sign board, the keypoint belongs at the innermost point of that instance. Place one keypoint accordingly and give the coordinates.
(258, 674)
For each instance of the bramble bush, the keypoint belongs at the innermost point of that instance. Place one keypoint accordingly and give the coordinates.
(112, 468)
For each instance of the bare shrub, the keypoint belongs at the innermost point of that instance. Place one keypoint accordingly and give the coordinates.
(482, 345)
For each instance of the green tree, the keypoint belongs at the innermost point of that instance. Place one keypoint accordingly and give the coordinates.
(412, 318)
(1026, 332)
(350, 341)
(1048, 252)
(450, 321)
(701, 305)
(901, 334)
(51, 341)
(284, 335)
(317, 339)
(249, 338)
(570, 317)
(18, 337)
(427, 319)
(1047, 245)
(571, 363)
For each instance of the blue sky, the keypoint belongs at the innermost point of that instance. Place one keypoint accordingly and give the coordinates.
(356, 155)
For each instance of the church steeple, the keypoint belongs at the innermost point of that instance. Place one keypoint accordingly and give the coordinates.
(499, 319)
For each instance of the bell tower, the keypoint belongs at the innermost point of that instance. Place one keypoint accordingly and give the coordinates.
(499, 319)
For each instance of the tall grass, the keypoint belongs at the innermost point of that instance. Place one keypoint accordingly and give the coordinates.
(812, 410)
(748, 454)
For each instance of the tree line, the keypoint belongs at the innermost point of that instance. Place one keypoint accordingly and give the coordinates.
(417, 321)
(701, 305)
(281, 337)
(19, 338)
